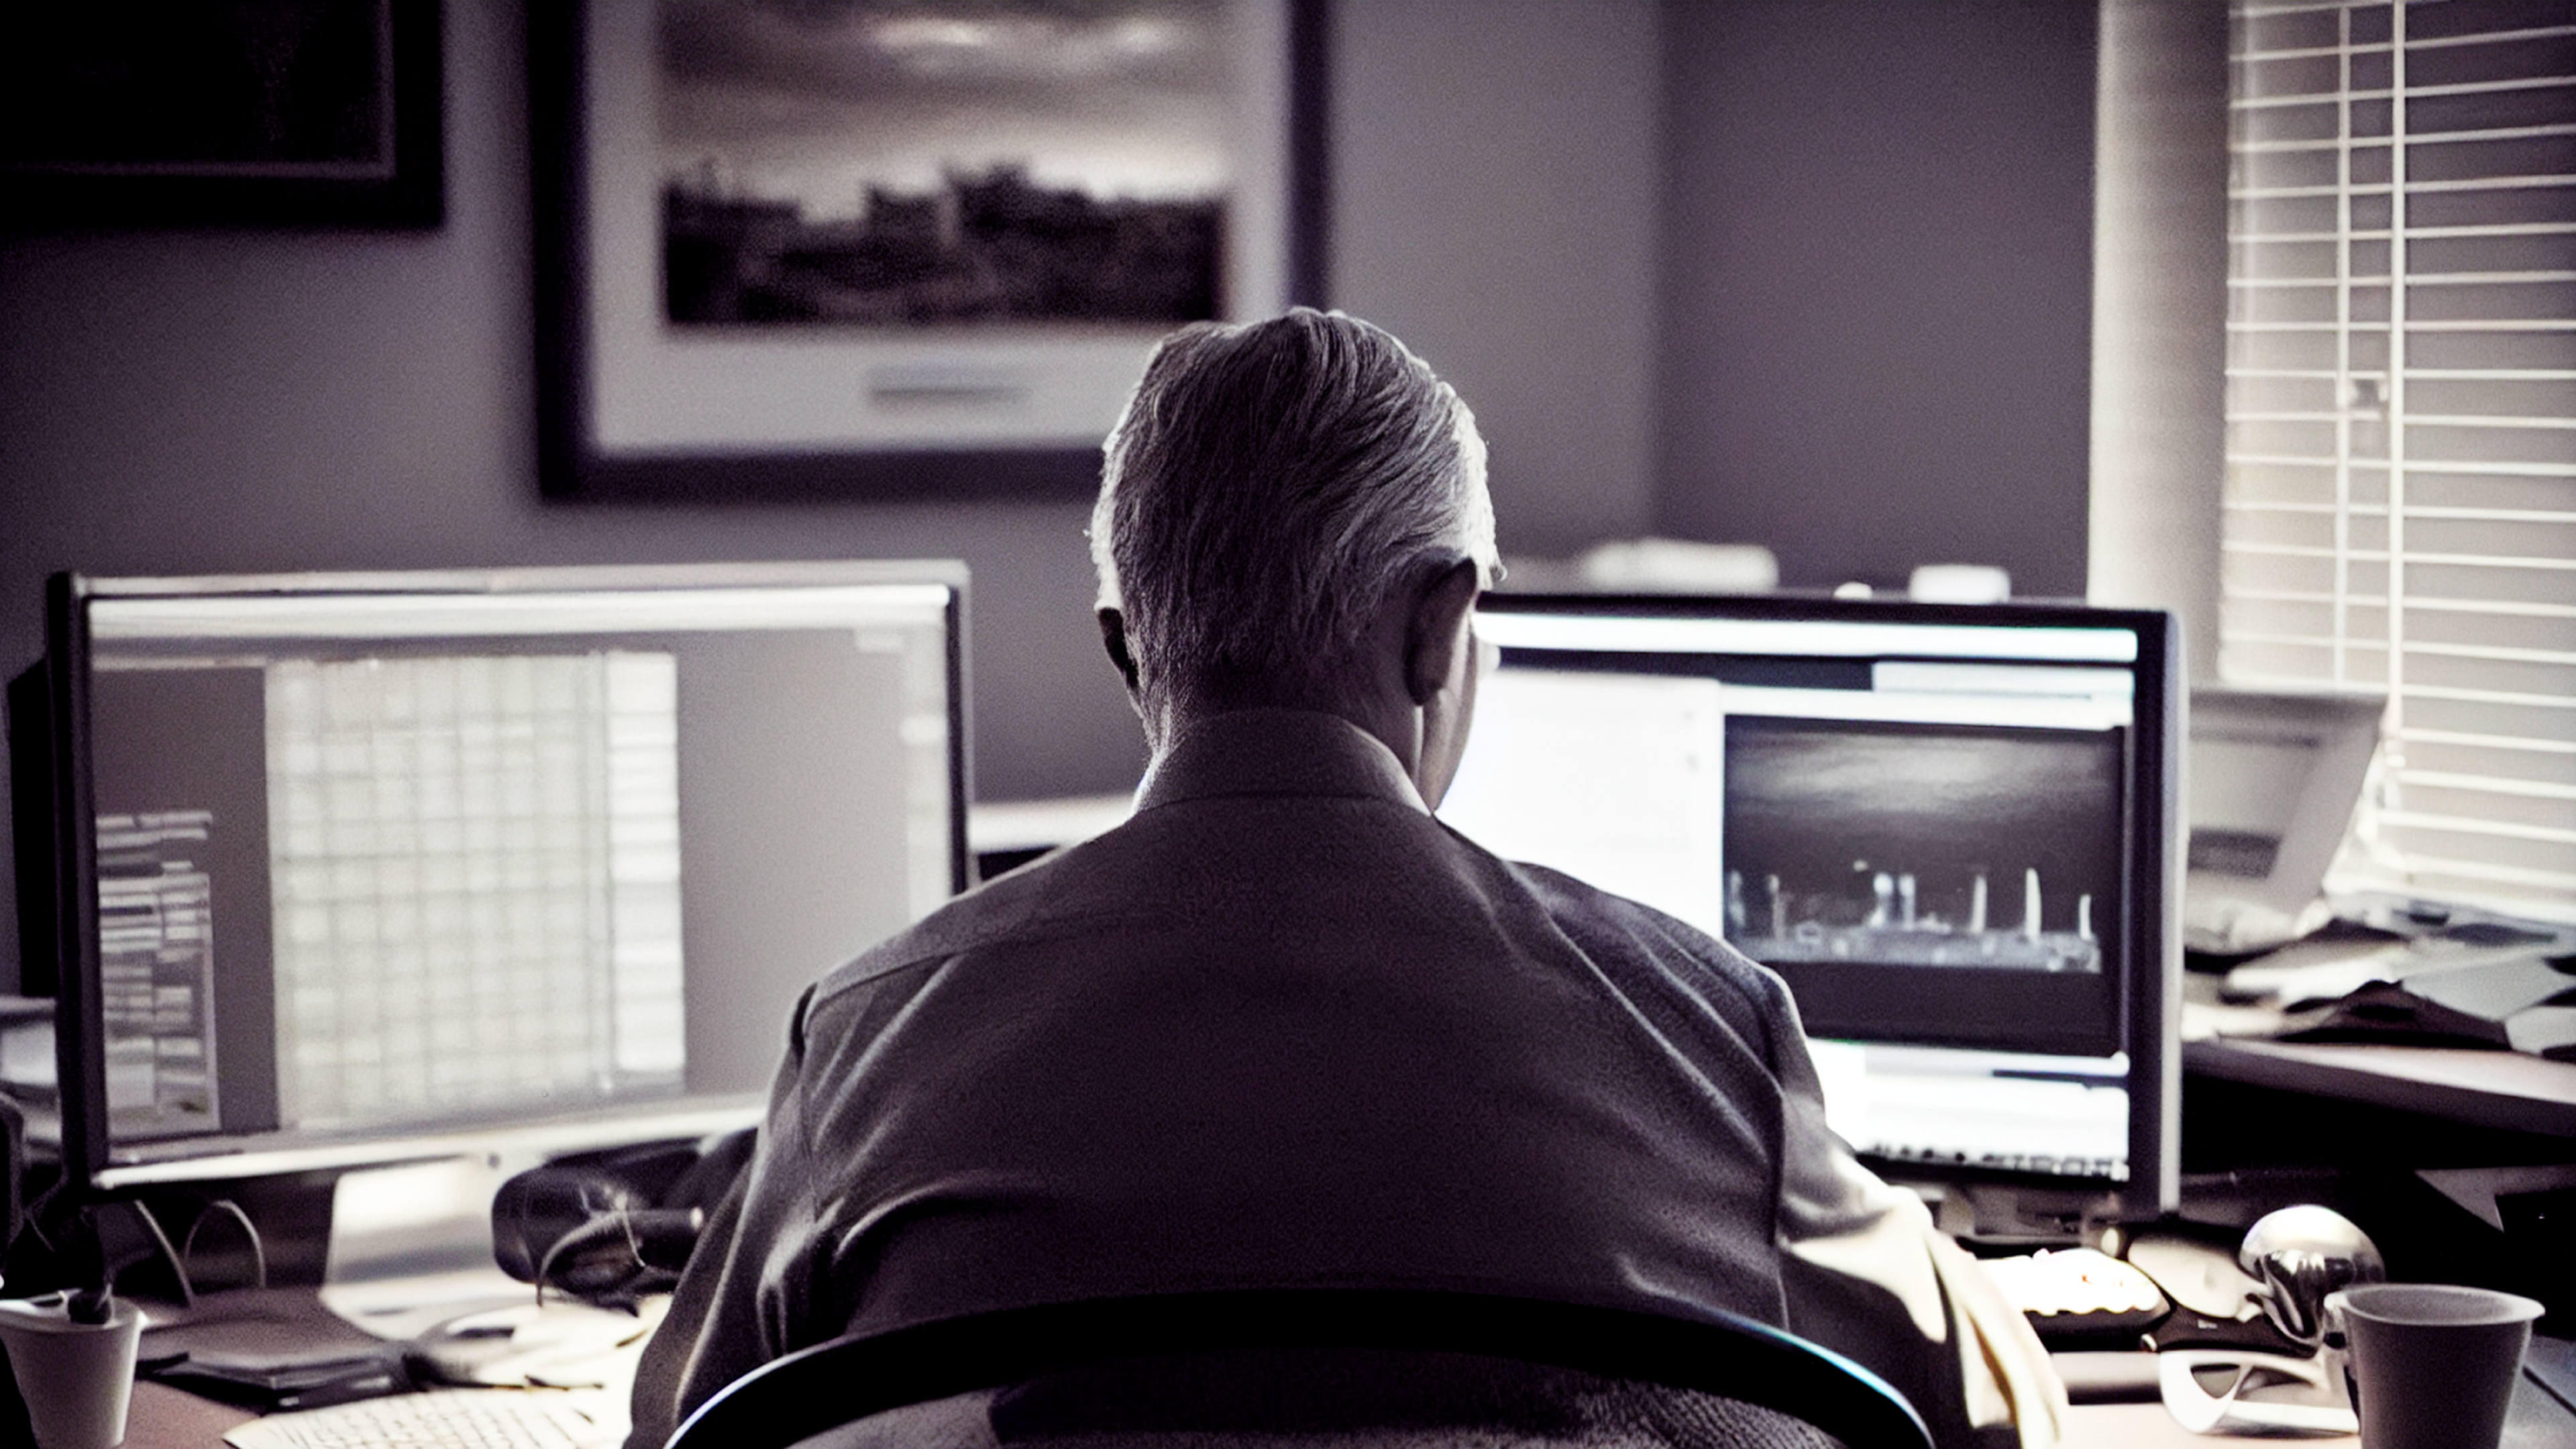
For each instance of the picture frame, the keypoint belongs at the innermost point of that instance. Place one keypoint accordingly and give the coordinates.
(227, 113)
(836, 391)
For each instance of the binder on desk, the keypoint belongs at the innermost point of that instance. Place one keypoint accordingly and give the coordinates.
(268, 1349)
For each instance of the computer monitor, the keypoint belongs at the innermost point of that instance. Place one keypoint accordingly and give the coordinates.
(2275, 778)
(1952, 829)
(349, 867)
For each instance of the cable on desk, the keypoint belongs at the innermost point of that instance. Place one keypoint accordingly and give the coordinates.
(161, 1240)
(32, 1216)
(250, 1230)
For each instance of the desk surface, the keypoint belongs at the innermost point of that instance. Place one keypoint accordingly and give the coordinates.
(167, 1418)
(2508, 1090)
(171, 1419)
(2496, 1089)
(2537, 1422)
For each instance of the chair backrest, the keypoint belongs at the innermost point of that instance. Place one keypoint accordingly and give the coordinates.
(850, 1378)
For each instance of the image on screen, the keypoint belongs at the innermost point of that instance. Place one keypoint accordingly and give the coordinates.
(1928, 831)
(1919, 845)
(390, 863)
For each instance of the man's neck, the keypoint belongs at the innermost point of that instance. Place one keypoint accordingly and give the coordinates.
(1399, 729)
(1274, 750)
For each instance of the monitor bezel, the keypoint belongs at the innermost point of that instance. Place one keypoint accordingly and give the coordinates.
(2153, 1003)
(90, 1162)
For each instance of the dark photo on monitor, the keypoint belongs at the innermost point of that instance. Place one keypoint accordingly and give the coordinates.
(1934, 883)
(1921, 845)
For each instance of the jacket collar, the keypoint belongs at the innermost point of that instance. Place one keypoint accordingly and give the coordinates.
(1276, 752)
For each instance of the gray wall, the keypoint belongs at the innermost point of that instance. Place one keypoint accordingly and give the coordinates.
(204, 402)
(1877, 284)
(1496, 185)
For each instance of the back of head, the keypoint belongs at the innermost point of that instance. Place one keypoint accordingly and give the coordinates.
(1268, 485)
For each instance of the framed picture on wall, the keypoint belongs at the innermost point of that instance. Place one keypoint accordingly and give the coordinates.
(285, 113)
(898, 248)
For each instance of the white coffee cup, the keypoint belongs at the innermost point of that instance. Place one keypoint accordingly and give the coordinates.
(77, 1378)
(2432, 1365)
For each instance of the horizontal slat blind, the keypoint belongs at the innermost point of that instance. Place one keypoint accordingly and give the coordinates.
(2400, 501)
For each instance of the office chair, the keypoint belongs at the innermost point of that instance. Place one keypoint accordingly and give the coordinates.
(1355, 1365)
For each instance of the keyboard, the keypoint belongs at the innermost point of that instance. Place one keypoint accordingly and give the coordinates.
(2077, 1295)
(447, 1419)
(2074, 1280)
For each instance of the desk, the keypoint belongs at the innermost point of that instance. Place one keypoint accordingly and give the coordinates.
(2497, 1090)
(2148, 1426)
(2537, 1422)
(2509, 1091)
(166, 1418)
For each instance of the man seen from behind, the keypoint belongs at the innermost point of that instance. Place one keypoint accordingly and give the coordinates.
(1284, 1028)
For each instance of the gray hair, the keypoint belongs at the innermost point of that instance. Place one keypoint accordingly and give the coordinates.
(1267, 486)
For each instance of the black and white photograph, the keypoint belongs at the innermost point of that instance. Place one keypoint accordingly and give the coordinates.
(882, 248)
(1921, 845)
(873, 164)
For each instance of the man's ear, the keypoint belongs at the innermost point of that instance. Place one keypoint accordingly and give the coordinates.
(1437, 640)
(1113, 637)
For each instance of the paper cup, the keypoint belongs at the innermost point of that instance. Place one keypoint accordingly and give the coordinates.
(77, 1378)
(2432, 1365)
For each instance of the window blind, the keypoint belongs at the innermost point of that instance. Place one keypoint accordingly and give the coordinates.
(2400, 496)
